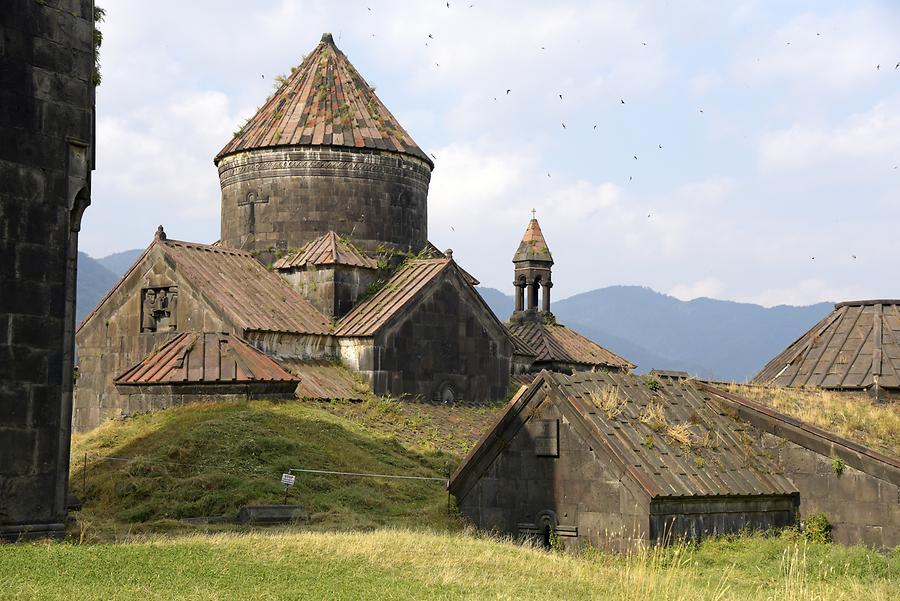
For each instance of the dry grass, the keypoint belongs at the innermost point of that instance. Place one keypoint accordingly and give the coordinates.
(681, 434)
(609, 401)
(852, 416)
(654, 417)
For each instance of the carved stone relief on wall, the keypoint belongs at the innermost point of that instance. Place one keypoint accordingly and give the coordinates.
(159, 309)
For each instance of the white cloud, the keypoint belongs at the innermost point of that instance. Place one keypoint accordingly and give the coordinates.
(804, 292)
(707, 287)
(872, 137)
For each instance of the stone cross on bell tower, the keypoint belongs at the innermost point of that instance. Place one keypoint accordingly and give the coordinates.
(533, 263)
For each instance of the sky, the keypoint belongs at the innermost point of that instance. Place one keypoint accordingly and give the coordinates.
(741, 150)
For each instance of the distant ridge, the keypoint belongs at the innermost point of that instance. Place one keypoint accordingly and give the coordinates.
(705, 337)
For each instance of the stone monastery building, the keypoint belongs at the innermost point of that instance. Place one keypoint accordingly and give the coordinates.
(324, 284)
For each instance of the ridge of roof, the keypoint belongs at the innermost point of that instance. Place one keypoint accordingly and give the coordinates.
(327, 249)
(556, 342)
(324, 102)
(533, 246)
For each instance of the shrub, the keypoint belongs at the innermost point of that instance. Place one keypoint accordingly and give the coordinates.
(816, 528)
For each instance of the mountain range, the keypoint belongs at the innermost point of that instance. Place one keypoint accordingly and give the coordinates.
(705, 337)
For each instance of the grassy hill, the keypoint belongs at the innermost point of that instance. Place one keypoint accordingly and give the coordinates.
(417, 564)
(210, 459)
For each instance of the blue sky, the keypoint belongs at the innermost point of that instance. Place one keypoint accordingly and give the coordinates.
(779, 124)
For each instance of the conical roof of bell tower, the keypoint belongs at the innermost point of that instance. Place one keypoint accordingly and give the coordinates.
(533, 247)
(324, 102)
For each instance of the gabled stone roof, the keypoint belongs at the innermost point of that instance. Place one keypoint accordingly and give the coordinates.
(730, 465)
(235, 283)
(533, 247)
(856, 344)
(324, 102)
(557, 343)
(366, 318)
(205, 358)
(328, 249)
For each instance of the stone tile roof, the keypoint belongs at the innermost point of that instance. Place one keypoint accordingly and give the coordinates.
(205, 358)
(857, 343)
(238, 285)
(730, 465)
(555, 342)
(366, 318)
(325, 380)
(329, 249)
(533, 247)
(253, 298)
(324, 102)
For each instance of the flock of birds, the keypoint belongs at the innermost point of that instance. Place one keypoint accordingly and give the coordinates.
(430, 38)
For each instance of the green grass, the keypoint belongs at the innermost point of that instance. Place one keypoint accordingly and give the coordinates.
(408, 564)
(209, 460)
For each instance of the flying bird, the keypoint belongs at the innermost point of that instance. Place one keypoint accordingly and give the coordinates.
(878, 66)
(508, 91)
(644, 43)
(701, 110)
(595, 127)
(451, 227)
(564, 125)
(560, 96)
(548, 174)
(434, 157)
(660, 145)
(438, 64)
(430, 36)
(854, 257)
(635, 157)
(897, 66)
(621, 100)
(448, 5)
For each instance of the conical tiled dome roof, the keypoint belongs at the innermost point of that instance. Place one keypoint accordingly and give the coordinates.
(533, 247)
(324, 102)
(856, 346)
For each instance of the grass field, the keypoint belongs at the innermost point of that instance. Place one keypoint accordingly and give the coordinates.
(407, 564)
(365, 538)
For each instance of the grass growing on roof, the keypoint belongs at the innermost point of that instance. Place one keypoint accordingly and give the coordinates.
(415, 564)
(852, 416)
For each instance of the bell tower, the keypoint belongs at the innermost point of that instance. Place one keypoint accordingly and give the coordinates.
(533, 263)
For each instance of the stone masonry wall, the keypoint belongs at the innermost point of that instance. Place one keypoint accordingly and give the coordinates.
(580, 486)
(332, 290)
(862, 508)
(444, 348)
(285, 198)
(46, 154)
(110, 341)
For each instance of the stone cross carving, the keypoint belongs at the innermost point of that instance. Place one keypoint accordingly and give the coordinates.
(252, 199)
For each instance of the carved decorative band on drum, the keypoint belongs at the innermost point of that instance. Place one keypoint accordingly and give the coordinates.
(318, 168)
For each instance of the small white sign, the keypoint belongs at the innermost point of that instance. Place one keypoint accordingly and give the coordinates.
(288, 479)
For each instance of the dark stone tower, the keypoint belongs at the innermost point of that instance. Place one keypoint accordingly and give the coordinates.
(323, 154)
(533, 264)
(46, 156)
